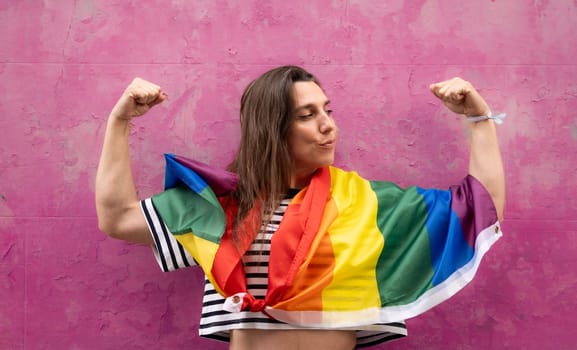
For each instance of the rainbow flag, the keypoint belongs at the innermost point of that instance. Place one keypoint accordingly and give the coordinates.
(348, 252)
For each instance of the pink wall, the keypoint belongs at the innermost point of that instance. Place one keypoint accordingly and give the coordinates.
(65, 285)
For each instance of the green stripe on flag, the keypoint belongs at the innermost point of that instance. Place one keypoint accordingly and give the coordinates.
(184, 211)
(404, 270)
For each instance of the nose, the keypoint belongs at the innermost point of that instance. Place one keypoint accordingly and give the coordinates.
(326, 123)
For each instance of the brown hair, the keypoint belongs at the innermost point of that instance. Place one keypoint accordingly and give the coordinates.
(263, 161)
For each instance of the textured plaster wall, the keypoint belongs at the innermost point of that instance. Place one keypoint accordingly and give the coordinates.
(65, 285)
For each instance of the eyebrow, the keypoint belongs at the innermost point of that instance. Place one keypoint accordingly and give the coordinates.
(312, 105)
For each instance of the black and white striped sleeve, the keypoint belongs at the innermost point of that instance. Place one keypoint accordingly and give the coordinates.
(169, 254)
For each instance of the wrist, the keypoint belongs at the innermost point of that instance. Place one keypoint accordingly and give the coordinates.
(487, 116)
(119, 118)
(479, 112)
(119, 124)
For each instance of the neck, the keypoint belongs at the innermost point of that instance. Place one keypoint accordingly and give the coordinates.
(300, 179)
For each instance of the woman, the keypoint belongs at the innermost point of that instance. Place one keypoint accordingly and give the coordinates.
(282, 167)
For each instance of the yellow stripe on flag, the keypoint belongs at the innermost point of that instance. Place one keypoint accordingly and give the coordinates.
(357, 244)
(202, 251)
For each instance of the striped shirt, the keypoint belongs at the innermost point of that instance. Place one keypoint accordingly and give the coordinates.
(216, 323)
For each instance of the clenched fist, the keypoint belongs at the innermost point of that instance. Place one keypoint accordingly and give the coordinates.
(460, 97)
(139, 97)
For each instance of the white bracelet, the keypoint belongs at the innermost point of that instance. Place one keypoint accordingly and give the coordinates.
(496, 118)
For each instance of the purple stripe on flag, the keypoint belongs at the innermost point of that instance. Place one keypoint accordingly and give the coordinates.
(474, 207)
(220, 181)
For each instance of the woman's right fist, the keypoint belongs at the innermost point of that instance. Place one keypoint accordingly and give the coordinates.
(137, 99)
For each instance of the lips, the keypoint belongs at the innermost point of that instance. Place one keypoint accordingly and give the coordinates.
(328, 143)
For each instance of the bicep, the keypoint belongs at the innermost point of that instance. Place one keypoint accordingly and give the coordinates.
(129, 225)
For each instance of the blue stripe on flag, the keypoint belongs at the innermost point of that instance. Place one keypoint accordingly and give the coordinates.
(176, 172)
(449, 249)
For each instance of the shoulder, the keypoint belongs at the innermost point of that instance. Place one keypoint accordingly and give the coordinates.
(345, 182)
(339, 173)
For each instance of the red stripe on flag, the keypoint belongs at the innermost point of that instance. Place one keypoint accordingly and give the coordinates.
(291, 242)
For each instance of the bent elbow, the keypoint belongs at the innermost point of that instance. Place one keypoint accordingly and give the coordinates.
(126, 225)
(108, 222)
(110, 218)
(500, 207)
(107, 227)
(494, 184)
(498, 198)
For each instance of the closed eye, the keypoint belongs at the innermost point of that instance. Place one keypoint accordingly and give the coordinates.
(310, 115)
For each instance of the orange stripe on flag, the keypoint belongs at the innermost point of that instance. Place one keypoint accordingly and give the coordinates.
(316, 272)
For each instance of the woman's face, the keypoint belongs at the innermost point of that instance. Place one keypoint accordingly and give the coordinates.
(313, 133)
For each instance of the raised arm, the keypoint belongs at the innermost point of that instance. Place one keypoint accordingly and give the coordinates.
(485, 160)
(117, 204)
